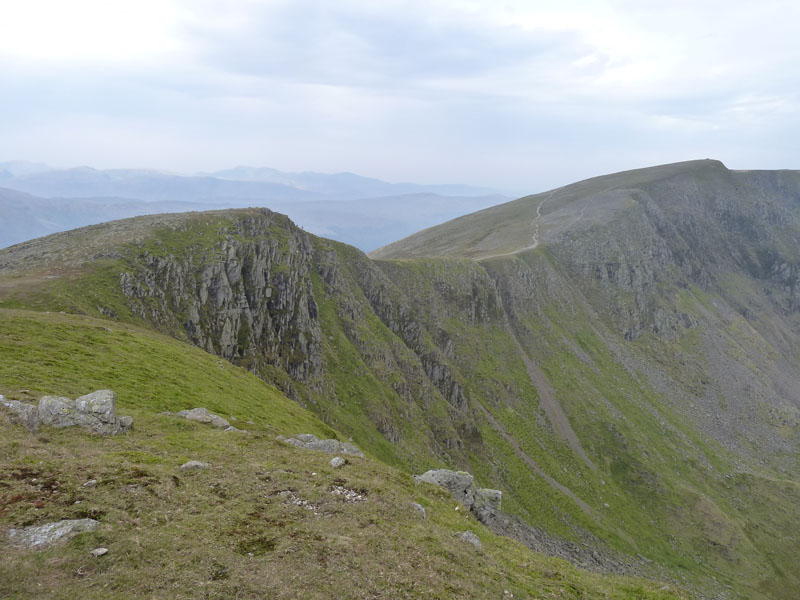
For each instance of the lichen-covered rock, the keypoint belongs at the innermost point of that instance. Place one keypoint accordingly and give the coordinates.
(100, 411)
(337, 462)
(42, 536)
(312, 442)
(57, 411)
(202, 415)
(459, 483)
(482, 502)
(96, 411)
(25, 414)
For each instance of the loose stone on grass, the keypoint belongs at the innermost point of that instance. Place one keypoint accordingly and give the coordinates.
(470, 537)
(312, 442)
(194, 465)
(350, 496)
(41, 536)
(202, 415)
(337, 462)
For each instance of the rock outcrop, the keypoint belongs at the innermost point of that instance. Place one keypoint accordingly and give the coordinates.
(201, 415)
(482, 502)
(312, 442)
(42, 536)
(486, 501)
(96, 411)
(459, 483)
(249, 299)
(25, 414)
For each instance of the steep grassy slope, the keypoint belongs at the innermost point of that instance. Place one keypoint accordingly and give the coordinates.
(662, 486)
(264, 521)
(622, 360)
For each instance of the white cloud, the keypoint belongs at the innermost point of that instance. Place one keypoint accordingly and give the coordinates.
(516, 94)
(87, 30)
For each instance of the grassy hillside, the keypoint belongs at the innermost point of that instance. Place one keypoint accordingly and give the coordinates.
(266, 519)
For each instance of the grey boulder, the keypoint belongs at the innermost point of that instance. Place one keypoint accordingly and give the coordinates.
(96, 411)
(202, 415)
(471, 538)
(57, 411)
(337, 461)
(194, 465)
(459, 483)
(483, 502)
(26, 414)
(42, 536)
(312, 442)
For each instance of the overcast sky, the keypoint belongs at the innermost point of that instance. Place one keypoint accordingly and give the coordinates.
(512, 94)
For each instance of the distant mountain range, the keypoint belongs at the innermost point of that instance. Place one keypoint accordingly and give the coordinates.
(36, 200)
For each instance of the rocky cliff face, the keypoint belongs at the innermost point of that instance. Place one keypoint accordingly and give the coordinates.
(247, 297)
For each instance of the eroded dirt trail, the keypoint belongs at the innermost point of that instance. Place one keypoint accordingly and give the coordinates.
(534, 234)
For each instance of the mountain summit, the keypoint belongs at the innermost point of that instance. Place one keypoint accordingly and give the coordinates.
(522, 224)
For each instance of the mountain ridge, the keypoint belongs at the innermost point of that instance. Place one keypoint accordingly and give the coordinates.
(531, 206)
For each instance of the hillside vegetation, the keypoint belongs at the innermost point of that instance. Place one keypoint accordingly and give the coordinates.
(619, 357)
(265, 520)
